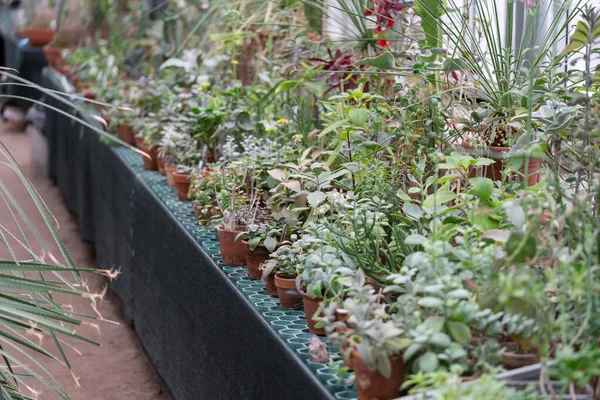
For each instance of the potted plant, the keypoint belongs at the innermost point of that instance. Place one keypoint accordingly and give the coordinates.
(260, 240)
(323, 273)
(39, 31)
(280, 272)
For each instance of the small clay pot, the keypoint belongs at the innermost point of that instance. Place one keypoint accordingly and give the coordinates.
(270, 284)
(150, 160)
(54, 57)
(170, 170)
(160, 163)
(254, 258)
(494, 171)
(289, 297)
(233, 252)
(371, 385)
(512, 360)
(38, 37)
(310, 308)
(182, 184)
(126, 134)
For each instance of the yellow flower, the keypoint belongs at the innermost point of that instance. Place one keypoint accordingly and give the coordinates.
(235, 62)
(283, 121)
(205, 85)
(199, 89)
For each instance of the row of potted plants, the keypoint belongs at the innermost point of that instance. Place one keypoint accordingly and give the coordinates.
(434, 216)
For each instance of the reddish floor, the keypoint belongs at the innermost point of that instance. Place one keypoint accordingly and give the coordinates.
(118, 369)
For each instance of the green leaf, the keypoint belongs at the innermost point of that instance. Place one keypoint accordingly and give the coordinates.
(459, 332)
(412, 210)
(270, 243)
(454, 64)
(254, 242)
(244, 121)
(430, 302)
(440, 339)
(316, 198)
(514, 213)
(415, 240)
(358, 116)
(521, 247)
(411, 351)
(428, 362)
(438, 198)
(287, 85)
(333, 127)
(436, 324)
(383, 61)
(483, 187)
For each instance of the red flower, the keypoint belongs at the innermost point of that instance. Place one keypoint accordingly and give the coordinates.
(382, 43)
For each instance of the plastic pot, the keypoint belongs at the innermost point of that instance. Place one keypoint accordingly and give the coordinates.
(232, 252)
(254, 258)
(289, 297)
(311, 305)
(372, 385)
(182, 184)
(38, 37)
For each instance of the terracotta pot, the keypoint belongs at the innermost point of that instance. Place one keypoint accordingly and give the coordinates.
(494, 171)
(170, 170)
(289, 297)
(149, 162)
(54, 57)
(270, 284)
(38, 37)
(233, 252)
(126, 134)
(310, 308)
(371, 385)
(254, 258)
(182, 184)
(160, 163)
(512, 360)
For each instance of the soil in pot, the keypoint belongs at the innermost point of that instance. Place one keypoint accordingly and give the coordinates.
(494, 171)
(289, 297)
(38, 37)
(310, 308)
(254, 258)
(170, 170)
(512, 359)
(371, 385)
(126, 134)
(270, 284)
(182, 184)
(233, 252)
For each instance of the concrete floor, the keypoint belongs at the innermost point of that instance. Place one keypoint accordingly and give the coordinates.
(118, 369)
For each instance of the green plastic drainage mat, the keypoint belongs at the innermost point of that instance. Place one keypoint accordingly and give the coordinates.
(290, 325)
